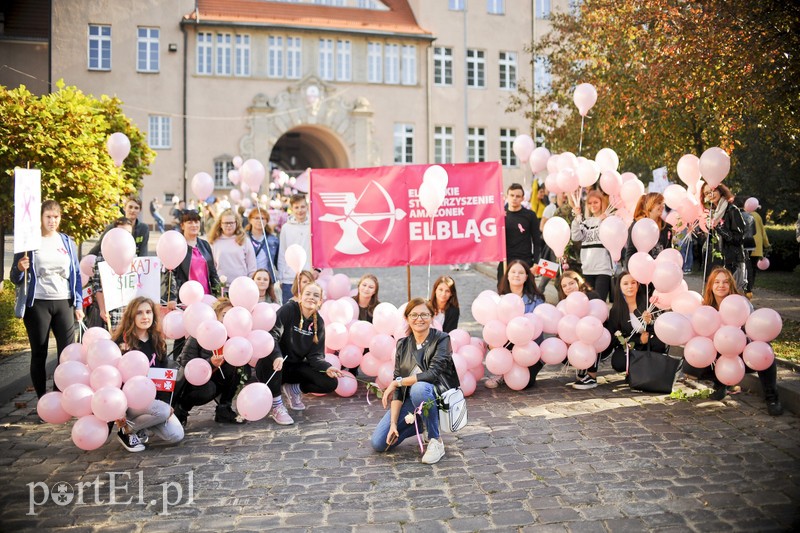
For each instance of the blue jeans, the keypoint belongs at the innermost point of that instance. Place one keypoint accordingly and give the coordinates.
(159, 222)
(420, 393)
(286, 292)
(687, 251)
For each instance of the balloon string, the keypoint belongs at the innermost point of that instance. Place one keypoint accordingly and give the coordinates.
(430, 255)
(580, 144)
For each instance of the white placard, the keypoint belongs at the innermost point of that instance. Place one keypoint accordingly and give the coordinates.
(660, 180)
(142, 279)
(27, 209)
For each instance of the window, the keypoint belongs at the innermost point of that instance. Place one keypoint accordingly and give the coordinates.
(274, 56)
(409, 68)
(393, 63)
(476, 145)
(507, 156)
(294, 57)
(542, 9)
(374, 62)
(575, 7)
(443, 144)
(242, 67)
(495, 7)
(476, 66)
(99, 47)
(442, 66)
(147, 50)
(344, 70)
(326, 59)
(456, 5)
(403, 143)
(222, 165)
(224, 54)
(508, 70)
(204, 53)
(542, 79)
(159, 134)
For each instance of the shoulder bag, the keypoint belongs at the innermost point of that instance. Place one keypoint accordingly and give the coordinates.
(452, 409)
(651, 371)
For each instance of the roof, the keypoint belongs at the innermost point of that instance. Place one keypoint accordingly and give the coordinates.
(397, 19)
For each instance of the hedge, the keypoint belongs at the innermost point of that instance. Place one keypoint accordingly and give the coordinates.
(784, 255)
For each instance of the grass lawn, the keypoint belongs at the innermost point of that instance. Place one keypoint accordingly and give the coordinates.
(787, 345)
(784, 282)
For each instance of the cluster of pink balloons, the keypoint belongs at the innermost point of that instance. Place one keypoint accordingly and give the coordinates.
(581, 335)
(98, 384)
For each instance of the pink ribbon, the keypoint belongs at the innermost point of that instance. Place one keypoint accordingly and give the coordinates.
(418, 411)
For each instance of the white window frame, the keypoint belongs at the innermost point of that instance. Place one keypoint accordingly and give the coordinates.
(392, 64)
(476, 144)
(507, 63)
(222, 165)
(542, 9)
(374, 62)
(101, 42)
(275, 55)
(403, 144)
(326, 52)
(443, 143)
(294, 57)
(507, 156)
(344, 60)
(205, 53)
(242, 55)
(455, 5)
(408, 69)
(224, 54)
(147, 49)
(496, 7)
(159, 132)
(442, 66)
(542, 78)
(476, 68)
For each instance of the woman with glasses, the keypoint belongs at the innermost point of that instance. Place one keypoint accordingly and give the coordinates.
(423, 369)
(233, 256)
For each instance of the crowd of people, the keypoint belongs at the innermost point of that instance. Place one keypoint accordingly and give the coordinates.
(245, 243)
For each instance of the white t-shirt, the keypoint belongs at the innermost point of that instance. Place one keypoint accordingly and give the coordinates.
(52, 270)
(550, 210)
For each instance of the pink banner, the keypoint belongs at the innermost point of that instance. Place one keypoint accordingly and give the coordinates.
(372, 217)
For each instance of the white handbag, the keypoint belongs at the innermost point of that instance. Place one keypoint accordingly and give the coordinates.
(452, 410)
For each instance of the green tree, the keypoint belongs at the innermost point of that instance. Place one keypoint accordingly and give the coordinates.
(64, 135)
(676, 77)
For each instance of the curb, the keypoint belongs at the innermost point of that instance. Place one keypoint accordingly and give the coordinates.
(13, 384)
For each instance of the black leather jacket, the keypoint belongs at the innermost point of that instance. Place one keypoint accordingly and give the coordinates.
(437, 362)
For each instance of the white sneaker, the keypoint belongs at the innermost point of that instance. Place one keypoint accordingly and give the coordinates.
(295, 399)
(281, 416)
(434, 452)
(494, 382)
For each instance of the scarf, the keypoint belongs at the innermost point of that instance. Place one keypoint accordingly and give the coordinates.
(719, 212)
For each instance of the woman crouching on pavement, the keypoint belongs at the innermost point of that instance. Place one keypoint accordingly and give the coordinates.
(423, 366)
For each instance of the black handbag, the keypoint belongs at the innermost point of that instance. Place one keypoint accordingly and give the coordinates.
(619, 359)
(650, 371)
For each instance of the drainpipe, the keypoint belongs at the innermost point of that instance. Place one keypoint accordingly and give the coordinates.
(466, 92)
(185, 110)
(533, 68)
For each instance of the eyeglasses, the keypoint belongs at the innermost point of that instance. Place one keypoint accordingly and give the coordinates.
(423, 316)
(229, 223)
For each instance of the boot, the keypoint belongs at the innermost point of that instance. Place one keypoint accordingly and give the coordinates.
(774, 407)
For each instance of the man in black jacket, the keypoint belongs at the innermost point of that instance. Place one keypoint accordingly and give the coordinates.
(522, 231)
(141, 232)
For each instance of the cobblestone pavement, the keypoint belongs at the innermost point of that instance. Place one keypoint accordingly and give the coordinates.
(548, 459)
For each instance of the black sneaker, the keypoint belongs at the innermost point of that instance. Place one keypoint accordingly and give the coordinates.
(181, 414)
(774, 407)
(226, 415)
(720, 391)
(143, 437)
(585, 383)
(130, 441)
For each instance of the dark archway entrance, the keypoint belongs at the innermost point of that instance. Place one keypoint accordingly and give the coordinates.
(308, 147)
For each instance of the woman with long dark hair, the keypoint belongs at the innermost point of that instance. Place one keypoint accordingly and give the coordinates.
(444, 299)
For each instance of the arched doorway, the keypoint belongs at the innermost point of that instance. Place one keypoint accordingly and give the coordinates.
(308, 147)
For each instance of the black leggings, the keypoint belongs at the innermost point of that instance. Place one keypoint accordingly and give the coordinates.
(222, 384)
(310, 379)
(601, 283)
(46, 315)
(264, 371)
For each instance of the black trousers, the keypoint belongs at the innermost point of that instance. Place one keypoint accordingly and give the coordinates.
(222, 384)
(40, 319)
(601, 283)
(264, 372)
(309, 379)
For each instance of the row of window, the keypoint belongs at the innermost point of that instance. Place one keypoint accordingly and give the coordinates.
(443, 145)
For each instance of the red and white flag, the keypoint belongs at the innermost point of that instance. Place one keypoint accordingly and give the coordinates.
(164, 378)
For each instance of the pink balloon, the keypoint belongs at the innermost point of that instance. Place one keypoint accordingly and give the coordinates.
(700, 352)
(577, 304)
(526, 354)
(714, 166)
(734, 310)
(523, 147)
(751, 204)
(674, 195)
(472, 354)
(361, 333)
(763, 263)
(610, 182)
(73, 352)
(687, 302)
(667, 276)
(566, 328)
(382, 346)
(553, 351)
(171, 249)
(385, 374)
(133, 363)
(499, 361)
(191, 292)
(105, 376)
(589, 329)
(763, 324)
(210, 299)
(706, 321)
(645, 234)
(598, 309)
(172, 325)
(588, 172)
(196, 314)
(50, 410)
(631, 191)
(642, 267)
(370, 365)
(89, 432)
(730, 340)
(729, 370)
(244, 293)
(252, 173)
(613, 234)
(538, 159)
(197, 371)
(140, 391)
(556, 234)
(70, 372)
(581, 355)
(551, 182)
(336, 336)
(262, 343)
(103, 352)
(458, 338)
(510, 306)
(517, 377)
(478, 372)
(484, 309)
(603, 342)
(385, 318)
(673, 329)
(202, 185)
(757, 355)
(118, 249)
(109, 404)
(550, 317)
(87, 267)
(462, 367)
(211, 335)
(296, 257)
(347, 384)
(338, 287)
(254, 401)
(585, 96)
(93, 334)
(264, 316)
(518, 331)
(118, 146)
(567, 180)
(238, 322)
(607, 159)
(689, 169)
(469, 383)
(535, 324)
(351, 355)
(237, 351)
(77, 400)
(670, 255)
(494, 333)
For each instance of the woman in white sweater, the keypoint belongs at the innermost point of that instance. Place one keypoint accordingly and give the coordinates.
(233, 255)
(596, 264)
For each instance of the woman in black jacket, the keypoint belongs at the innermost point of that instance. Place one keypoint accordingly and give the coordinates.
(197, 265)
(444, 300)
(423, 369)
(725, 234)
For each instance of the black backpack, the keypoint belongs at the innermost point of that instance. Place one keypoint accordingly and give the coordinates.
(749, 234)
